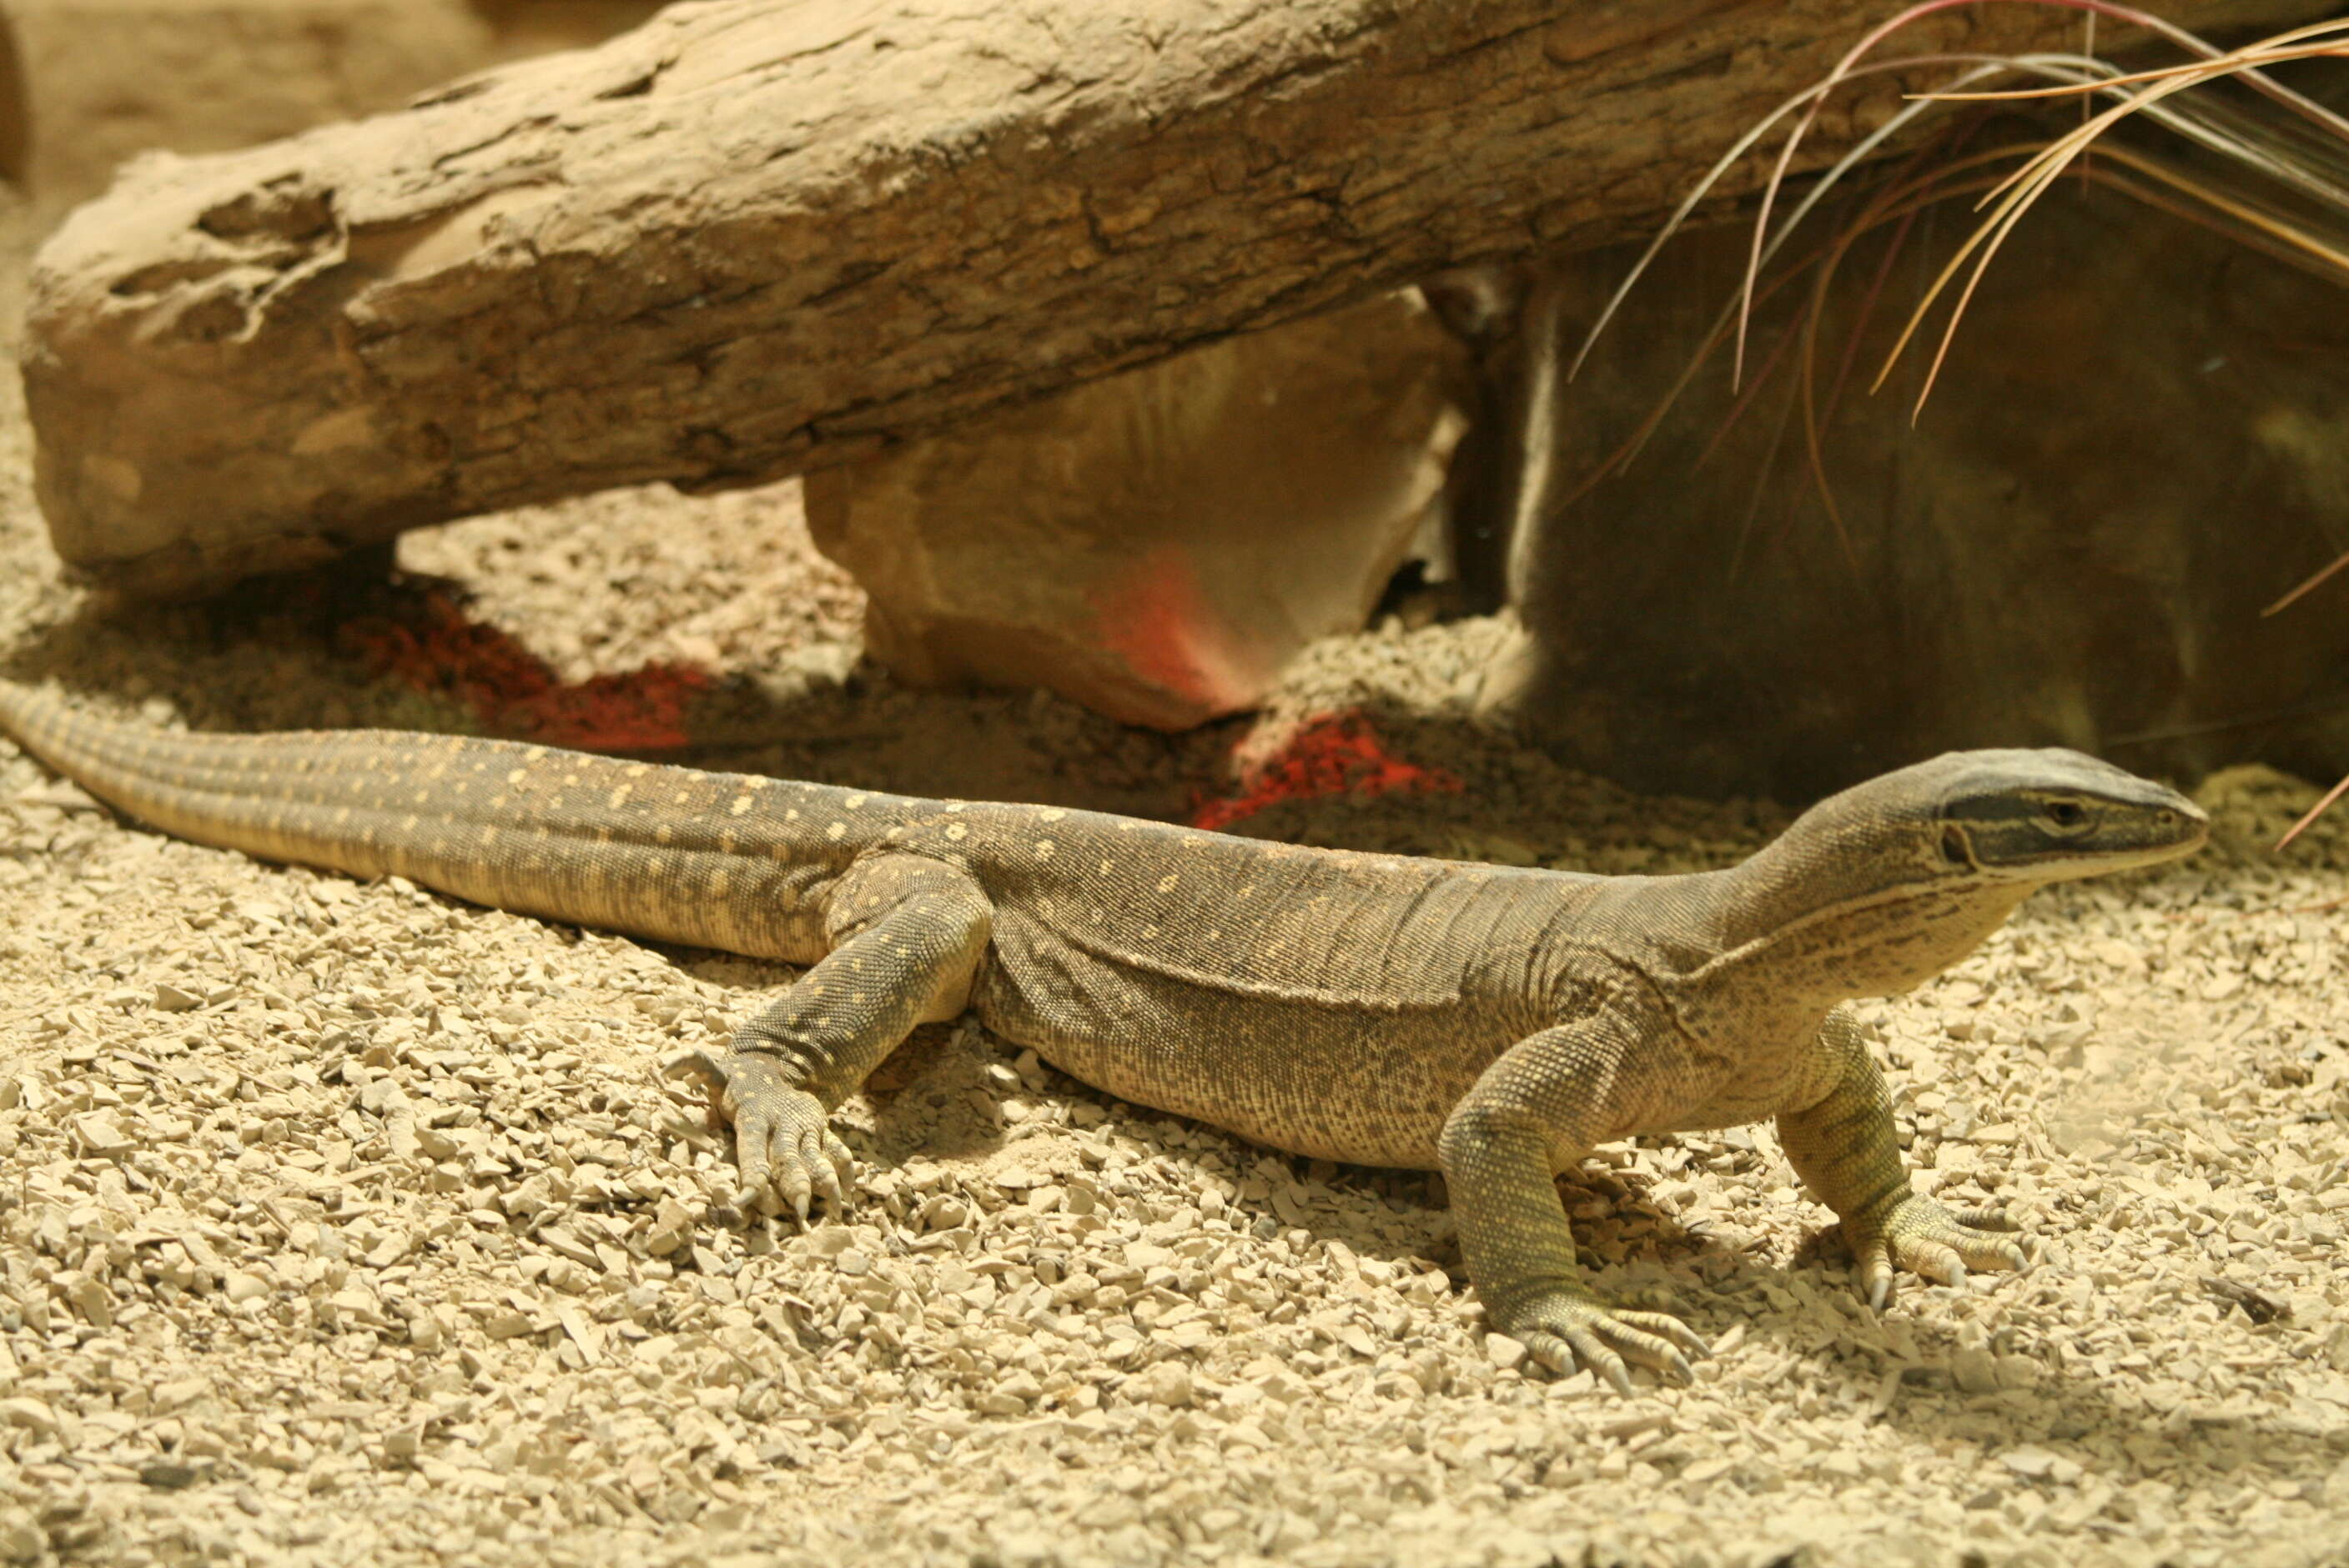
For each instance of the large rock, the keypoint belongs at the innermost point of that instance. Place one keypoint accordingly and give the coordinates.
(2135, 446)
(1157, 545)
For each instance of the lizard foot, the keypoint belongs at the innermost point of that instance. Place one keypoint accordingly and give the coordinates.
(783, 1135)
(1921, 1236)
(1562, 1327)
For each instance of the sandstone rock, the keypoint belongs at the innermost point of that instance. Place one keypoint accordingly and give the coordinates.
(1157, 545)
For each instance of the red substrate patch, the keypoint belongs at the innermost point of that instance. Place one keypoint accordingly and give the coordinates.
(513, 692)
(1336, 754)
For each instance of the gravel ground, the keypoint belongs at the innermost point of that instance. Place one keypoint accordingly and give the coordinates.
(347, 1224)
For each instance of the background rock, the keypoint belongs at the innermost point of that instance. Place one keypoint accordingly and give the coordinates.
(2135, 446)
(1158, 546)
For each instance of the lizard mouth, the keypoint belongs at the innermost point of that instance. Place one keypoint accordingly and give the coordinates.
(2174, 836)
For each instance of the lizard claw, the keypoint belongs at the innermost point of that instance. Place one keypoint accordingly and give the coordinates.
(1921, 1236)
(784, 1141)
(1563, 1329)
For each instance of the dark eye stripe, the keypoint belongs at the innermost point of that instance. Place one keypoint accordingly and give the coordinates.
(1999, 810)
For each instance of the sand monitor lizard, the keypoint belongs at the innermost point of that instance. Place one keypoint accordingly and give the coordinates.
(1492, 1022)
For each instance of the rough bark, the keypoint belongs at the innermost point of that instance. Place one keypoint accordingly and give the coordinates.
(753, 237)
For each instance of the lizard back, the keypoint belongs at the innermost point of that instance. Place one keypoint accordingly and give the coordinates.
(1324, 1001)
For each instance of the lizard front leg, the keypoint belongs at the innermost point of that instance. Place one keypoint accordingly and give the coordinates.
(1845, 1147)
(907, 933)
(1534, 1111)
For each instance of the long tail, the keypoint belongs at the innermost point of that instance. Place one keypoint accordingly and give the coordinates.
(718, 860)
(320, 797)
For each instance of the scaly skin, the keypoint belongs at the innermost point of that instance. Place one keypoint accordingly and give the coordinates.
(1495, 1023)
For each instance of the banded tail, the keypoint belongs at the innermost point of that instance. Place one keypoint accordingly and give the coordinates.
(716, 859)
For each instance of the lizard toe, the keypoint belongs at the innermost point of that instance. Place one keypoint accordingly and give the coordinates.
(1934, 1261)
(1567, 1329)
(783, 1145)
(1926, 1239)
(1986, 1239)
(820, 1166)
(1564, 1353)
(1665, 1324)
(843, 1167)
(1601, 1361)
(1875, 1277)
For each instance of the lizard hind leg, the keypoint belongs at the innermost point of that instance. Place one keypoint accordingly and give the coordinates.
(907, 933)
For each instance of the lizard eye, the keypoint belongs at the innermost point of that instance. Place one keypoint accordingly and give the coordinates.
(1954, 847)
(2067, 813)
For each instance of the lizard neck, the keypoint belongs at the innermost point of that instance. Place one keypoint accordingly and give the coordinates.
(1829, 927)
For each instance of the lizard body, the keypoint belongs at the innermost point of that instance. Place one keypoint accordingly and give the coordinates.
(1491, 1022)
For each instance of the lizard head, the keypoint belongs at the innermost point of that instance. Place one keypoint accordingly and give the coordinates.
(1879, 888)
(2048, 816)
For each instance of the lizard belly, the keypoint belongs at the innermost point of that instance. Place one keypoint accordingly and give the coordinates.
(1366, 1085)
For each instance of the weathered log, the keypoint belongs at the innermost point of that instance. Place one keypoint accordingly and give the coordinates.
(753, 237)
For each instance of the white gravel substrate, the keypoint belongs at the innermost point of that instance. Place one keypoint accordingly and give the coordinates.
(341, 1223)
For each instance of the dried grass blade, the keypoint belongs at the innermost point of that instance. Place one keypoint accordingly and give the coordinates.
(2313, 812)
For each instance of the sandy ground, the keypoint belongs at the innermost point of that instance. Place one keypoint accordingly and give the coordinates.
(347, 1224)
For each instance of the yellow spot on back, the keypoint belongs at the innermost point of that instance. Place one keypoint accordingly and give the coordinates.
(1106, 865)
(853, 801)
(681, 797)
(517, 774)
(1166, 883)
(1044, 847)
(664, 833)
(790, 813)
(489, 836)
(835, 830)
(957, 830)
(1053, 813)
(739, 804)
(618, 797)
(638, 770)
(959, 805)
